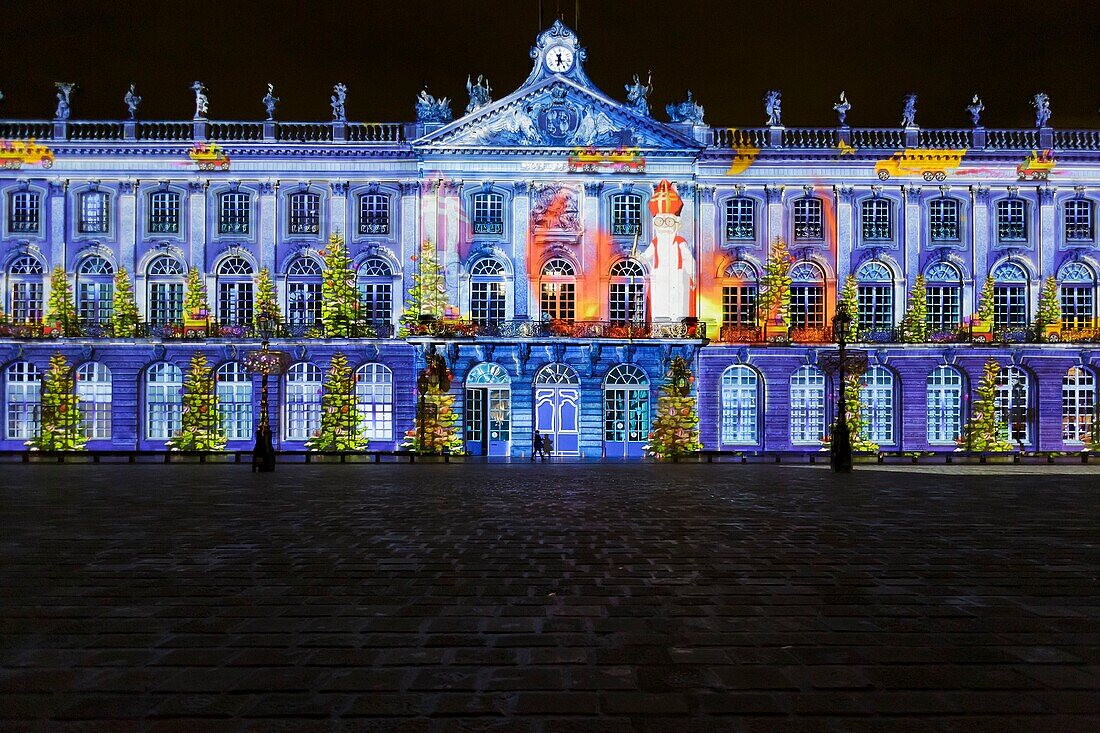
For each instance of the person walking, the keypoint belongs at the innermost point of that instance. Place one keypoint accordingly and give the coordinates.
(536, 446)
(547, 447)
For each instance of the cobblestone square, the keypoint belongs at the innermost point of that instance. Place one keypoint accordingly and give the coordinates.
(547, 598)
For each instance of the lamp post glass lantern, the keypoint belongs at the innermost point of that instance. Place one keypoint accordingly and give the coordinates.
(840, 449)
(265, 362)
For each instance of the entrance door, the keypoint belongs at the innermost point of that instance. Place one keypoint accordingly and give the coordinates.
(488, 413)
(557, 407)
(625, 412)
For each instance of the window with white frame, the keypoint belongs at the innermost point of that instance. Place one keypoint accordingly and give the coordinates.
(876, 394)
(625, 404)
(1077, 285)
(1078, 405)
(234, 212)
(374, 214)
(874, 297)
(93, 390)
(303, 292)
(305, 213)
(807, 404)
(739, 291)
(164, 212)
(626, 214)
(1078, 219)
(943, 297)
(488, 291)
(375, 281)
(95, 288)
(558, 290)
(740, 219)
(488, 213)
(23, 398)
(943, 220)
(302, 406)
(235, 304)
(374, 400)
(740, 391)
(95, 211)
(163, 400)
(1013, 403)
(874, 217)
(807, 296)
(234, 387)
(1010, 296)
(944, 397)
(1011, 220)
(626, 293)
(165, 282)
(26, 277)
(24, 212)
(808, 219)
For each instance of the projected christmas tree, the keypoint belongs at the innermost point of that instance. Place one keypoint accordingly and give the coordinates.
(986, 431)
(436, 429)
(675, 432)
(60, 410)
(914, 324)
(340, 429)
(124, 312)
(267, 299)
(341, 311)
(428, 295)
(200, 427)
(60, 311)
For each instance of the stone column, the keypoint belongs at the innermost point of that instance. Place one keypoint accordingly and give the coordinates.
(196, 207)
(911, 248)
(590, 267)
(408, 239)
(521, 216)
(773, 194)
(269, 223)
(1047, 243)
(450, 192)
(708, 302)
(128, 224)
(980, 244)
(56, 232)
(845, 239)
(338, 220)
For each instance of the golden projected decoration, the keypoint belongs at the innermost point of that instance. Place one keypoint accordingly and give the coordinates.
(16, 153)
(605, 160)
(209, 157)
(928, 164)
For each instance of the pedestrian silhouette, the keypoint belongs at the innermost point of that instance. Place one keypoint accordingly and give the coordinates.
(536, 446)
(547, 447)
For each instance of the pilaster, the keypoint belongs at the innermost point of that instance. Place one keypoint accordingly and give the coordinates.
(269, 222)
(588, 304)
(56, 246)
(708, 303)
(911, 241)
(196, 232)
(409, 238)
(1046, 243)
(521, 214)
(127, 224)
(338, 210)
(773, 193)
(844, 236)
(980, 238)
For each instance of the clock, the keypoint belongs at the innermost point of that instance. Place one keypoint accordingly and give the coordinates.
(559, 58)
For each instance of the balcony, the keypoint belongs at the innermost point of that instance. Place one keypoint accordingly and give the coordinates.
(455, 328)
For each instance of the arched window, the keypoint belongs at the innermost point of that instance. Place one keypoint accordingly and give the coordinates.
(739, 291)
(807, 296)
(1010, 296)
(95, 212)
(1077, 286)
(305, 213)
(808, 219)
(874, 296)
(626, 214)
(24, 212)
(235, 292)
(1011, 220)
(943, 220)
(303, 401)
(488, 213)
(944, 395)
(164, 212)
(1078, 405)
(375, 280)
(558, 290)
(95, 288)
(234, 386)
(374, 398)
(740, 394)
(234, 212)
(93, 389)
(625, 410)
(943, 296)
(876, 394)
(23, 396)
(488, 291)
(26, 276)
(626, 296)
(374, 214)
(303, 292)
(740, 218)
(807, 406)
(1013, 403)
(163, 400)
(874, 217)
(165, 281)
(1078, 220)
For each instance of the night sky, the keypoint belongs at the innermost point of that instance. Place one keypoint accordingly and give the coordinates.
(727, 53)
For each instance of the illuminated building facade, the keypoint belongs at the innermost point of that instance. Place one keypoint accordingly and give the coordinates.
(537, 205)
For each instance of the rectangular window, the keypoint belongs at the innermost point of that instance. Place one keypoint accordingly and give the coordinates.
(739, 396)
(94, 212)
(627, 303)
(739, 306)
(625, 414)
(488, 213)
(558, 301)
(1010, 306)
(374, 214)
(807, 306)
(24, 408)
(808, 219)
(487, 302)
(165, 303)
(95, 409)
(740, 219)
(235, 408)
(944, 307)
(1076, 306)
(375, 403)
(1078, 406)
(26, 302)
(943, 220)
(303, 409)
(1078, 221)
(94, 302)
(235, 303)
(1011, 220)
(305, 213)
(943, 410)
(875, 307)
(233, 213)
(626, 215)
(163, 411)
(875, 220)
(877, 397)
(23, 212)
(303, 303)
(164, 212)
(807, 413)
(377, 299)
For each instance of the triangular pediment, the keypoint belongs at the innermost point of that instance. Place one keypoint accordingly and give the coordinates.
(556, 112)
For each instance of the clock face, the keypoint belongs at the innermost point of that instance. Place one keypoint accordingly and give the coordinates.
(559, 58)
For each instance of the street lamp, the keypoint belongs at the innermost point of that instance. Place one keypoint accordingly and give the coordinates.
(265, 362)
(840, 453)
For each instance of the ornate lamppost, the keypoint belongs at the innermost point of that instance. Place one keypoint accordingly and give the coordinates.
(266, 362)
(842, 362)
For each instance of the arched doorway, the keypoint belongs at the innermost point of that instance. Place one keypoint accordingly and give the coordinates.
(488, 411)
(625, 412)
(557, 407)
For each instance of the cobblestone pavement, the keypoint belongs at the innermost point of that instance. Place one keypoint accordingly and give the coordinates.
(549, 598)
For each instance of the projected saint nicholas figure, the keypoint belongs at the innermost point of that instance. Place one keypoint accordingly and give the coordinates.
(671, 264)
